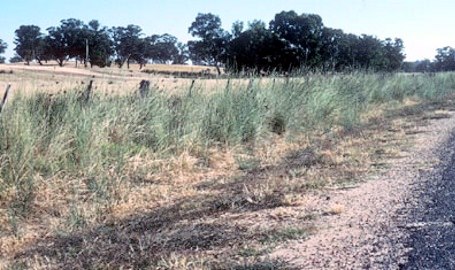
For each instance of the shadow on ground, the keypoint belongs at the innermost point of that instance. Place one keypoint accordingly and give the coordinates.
(191, 226)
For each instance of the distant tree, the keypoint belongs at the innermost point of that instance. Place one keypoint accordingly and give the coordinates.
(163, 48)
(143, 51)
(128, 44)
(182, 55)
(75, 35)
(393, 56)
(57, 47)
(16, 59)
(43, 52)
(211, 46)
(289, 41)
(302, 32)
(348, 52)
(368, 51)
(331, 48)
(70, 40)
(418, 66)
(258, 49)
(100, 44)
(66, 41)
(237, 29)
(445, 59)
(3, 47)
(29, 43)
(424, 66)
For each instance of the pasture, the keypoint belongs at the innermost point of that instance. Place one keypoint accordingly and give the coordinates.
(214, 175)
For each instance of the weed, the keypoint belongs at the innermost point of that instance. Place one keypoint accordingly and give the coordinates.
(248, 163)
(285, 234)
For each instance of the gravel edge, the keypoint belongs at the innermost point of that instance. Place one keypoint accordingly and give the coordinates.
(371, 231)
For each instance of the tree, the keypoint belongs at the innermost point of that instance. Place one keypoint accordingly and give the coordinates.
(424, 66)
(65, 41)
(100, 44)
(237, 29)
(57, 47)
(211, 46)
(29, 43)
(70, 40)
(163, 48)
(368, 52)
(142, 51)
(418, 66)
(331, 48)
(445, 59)
(182, 55)
(15, 59)
(75, 35)
(303, 33)
(392, 54)
(128, 44)
(3, 47)
(258, 49)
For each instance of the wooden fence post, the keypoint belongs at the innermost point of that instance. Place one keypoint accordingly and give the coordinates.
(5, 97)
(191, 88)
(87, 93)
(250, 85)
(144, 88)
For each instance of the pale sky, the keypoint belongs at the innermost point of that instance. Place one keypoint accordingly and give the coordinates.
(423, 25)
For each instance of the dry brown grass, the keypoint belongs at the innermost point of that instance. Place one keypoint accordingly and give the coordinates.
(54, 79)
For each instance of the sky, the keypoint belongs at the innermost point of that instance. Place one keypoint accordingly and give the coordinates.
(423, 25)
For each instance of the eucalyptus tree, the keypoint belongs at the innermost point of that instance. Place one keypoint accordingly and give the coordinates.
(128, 44)
(210, 48)
(29, 43)
(302, 32)
(258, 49)
(99, 44)
(163, 48)
(445, 59)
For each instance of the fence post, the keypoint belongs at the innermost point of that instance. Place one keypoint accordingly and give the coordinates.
(250, 85)
(228, 83)
(144, 88)
(5, 97)
(86, 95)
(191, 87)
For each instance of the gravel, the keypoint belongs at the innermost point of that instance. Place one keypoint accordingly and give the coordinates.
(430, 223)
(401, 219)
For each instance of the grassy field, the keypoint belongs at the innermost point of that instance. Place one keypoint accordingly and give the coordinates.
(209, 177)
(108, 81)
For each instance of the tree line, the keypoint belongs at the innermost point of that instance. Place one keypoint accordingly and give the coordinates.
(95, 45)
(289, 41)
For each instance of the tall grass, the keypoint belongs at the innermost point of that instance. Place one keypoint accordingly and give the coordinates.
(42, 135)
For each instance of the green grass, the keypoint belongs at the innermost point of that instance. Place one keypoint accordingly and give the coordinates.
(44, 135)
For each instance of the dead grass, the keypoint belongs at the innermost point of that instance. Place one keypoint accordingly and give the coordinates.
(108, 81)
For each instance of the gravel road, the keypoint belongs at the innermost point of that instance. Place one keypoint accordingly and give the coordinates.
(401, 219)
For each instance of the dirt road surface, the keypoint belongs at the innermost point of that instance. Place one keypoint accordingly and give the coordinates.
(401, 219)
